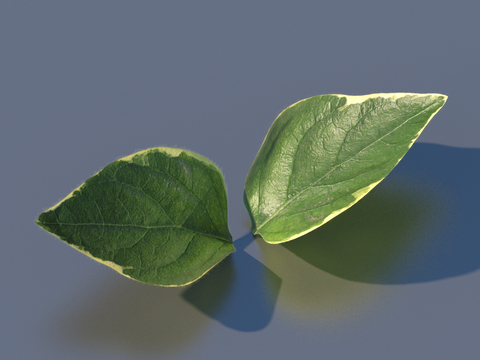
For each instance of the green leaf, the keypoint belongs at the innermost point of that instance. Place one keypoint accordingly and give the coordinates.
(158, 216)
(323, 154)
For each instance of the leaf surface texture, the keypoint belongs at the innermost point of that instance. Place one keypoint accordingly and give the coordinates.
(158, 216)
(323, 154)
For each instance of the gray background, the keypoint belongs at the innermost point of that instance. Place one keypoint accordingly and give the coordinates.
(85, 83)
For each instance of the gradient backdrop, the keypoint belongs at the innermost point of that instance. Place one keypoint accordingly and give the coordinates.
(83, 83)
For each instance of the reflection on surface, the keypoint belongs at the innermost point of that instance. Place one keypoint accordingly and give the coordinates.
(312, 295)
(131, 317)
(372, 240)
(126, 316)
(419, 224)
(240, 292)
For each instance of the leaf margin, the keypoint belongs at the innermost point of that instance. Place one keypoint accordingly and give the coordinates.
(359, 194)
(174, 152)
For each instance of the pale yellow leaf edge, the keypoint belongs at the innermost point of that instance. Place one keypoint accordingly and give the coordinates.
(359, 194)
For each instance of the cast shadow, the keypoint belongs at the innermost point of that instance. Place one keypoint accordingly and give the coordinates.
(240, 292)
(419, 224)
(135, 318)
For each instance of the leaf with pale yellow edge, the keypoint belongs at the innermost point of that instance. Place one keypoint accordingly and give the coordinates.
(158, 216)
(323, 154)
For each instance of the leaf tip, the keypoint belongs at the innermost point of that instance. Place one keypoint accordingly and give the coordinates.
(38, 220)
(439, 96)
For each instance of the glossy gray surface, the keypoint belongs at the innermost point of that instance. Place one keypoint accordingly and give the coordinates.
(85, 83)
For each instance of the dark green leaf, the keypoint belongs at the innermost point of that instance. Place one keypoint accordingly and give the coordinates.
(158, 216)
(323, 154)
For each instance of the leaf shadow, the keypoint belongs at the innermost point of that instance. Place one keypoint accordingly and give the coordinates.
(240, 292)
(418, 225)
(129, 317)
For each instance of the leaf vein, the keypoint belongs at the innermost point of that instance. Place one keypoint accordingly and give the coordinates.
(140, 226)
(316, 121)
(338, 165)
